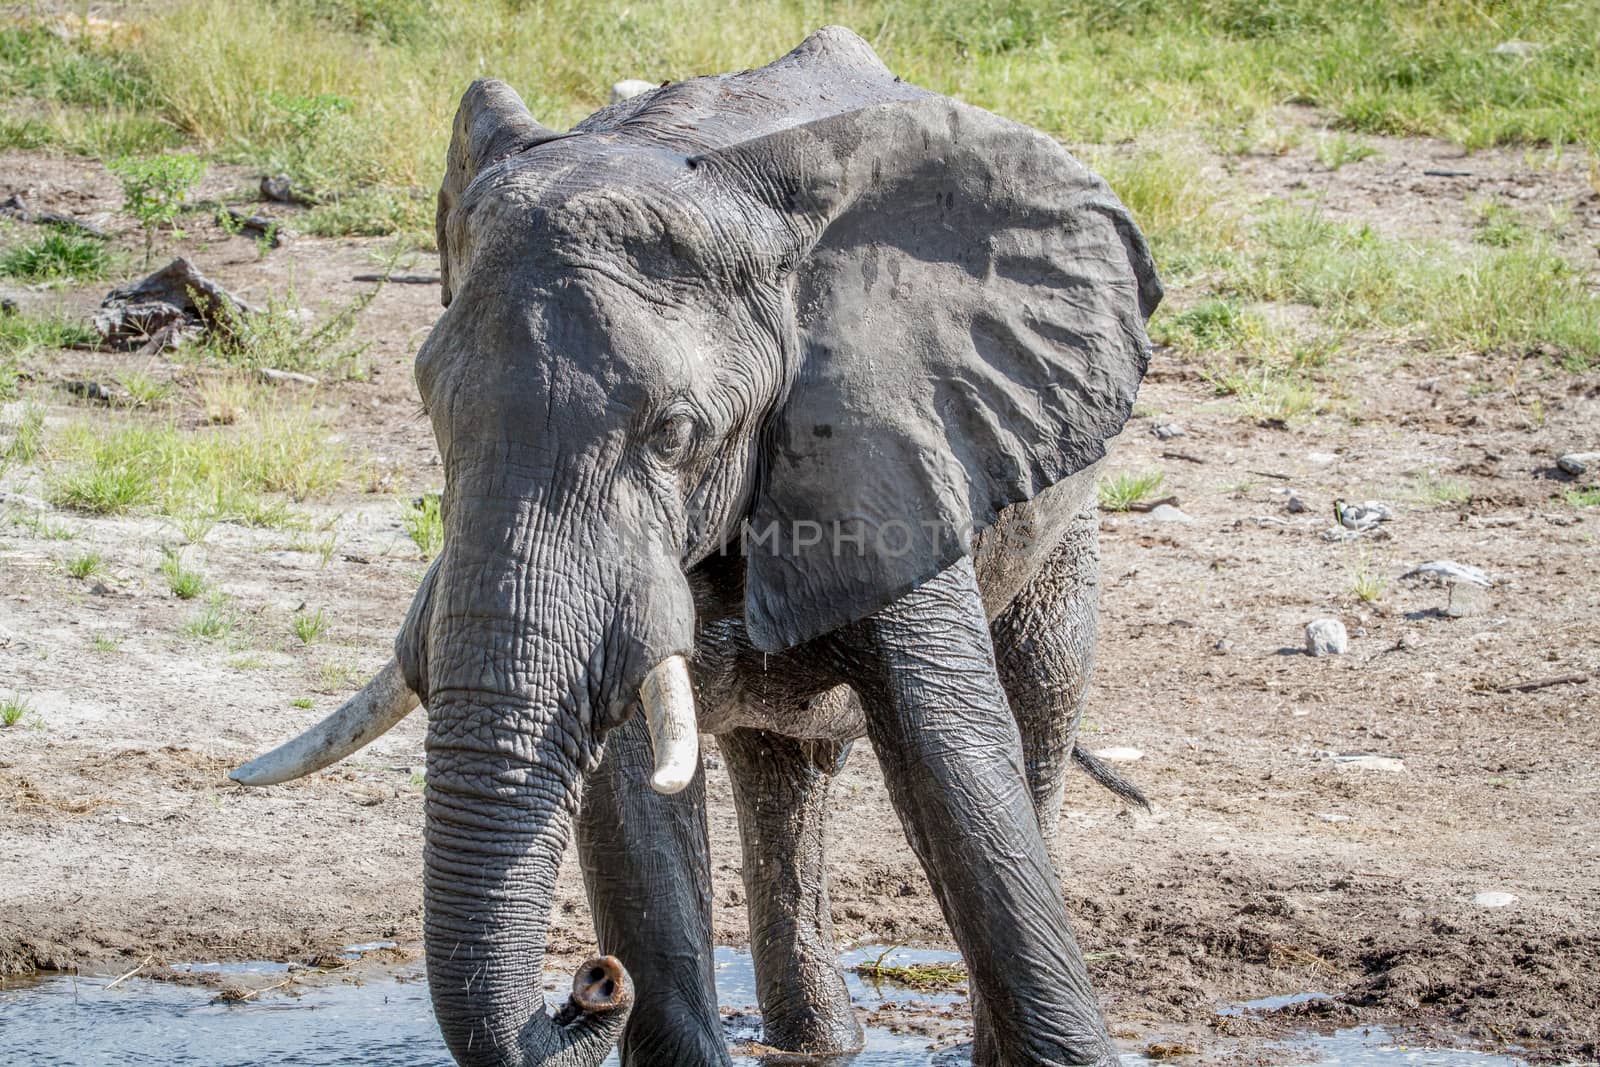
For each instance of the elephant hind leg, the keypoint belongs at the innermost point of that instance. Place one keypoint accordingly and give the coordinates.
(780, 790)
(1044, 650)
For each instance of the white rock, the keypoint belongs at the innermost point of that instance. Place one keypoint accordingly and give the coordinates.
(1367, 761)
(1448, 570)
(1166, 431)
(1326, 637)
(1576, 463)
(1330, 816)
(1517, 49)
(1494, 898)
(1321, 459)
(1118, 754)
(1168, 513)
(627, 90)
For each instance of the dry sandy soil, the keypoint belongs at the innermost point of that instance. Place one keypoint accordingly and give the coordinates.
(1267, 866)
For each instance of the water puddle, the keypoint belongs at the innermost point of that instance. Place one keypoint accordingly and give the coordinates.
(386, 1020)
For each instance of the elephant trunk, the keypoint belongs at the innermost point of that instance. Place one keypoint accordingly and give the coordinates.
(533, 650)
(495, 833)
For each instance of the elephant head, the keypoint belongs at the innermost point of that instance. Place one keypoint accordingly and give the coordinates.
(807, 313)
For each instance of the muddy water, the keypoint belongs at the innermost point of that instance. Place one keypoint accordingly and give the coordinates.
(386, 1021)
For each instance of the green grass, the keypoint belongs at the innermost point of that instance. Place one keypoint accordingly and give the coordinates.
(424, 523)
(1269, 395)
(1431, 490)
(925, 977)
(1335, 150)
(334, 676)
(12, 709)
(278, 338)
(1367, 585)
(359, 96)
(245, 474)
(105, 644)
(184, 584)
(57, 255)
(1518, 300)
(214, 621)
(26, 436)
(302, 702)
(144, 389)
(86, 565)
(1583, 498)
(310, 627)
(1498, 225)
(1122, 491)
(23, 334)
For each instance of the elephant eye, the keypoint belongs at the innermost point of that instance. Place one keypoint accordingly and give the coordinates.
(672, 437)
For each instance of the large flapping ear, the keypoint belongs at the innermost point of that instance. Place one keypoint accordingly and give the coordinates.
(971, 305)
(491, 123)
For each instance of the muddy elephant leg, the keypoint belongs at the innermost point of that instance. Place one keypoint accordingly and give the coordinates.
(939, 720)
(780, 789)
(1044, 648)
(647, 869)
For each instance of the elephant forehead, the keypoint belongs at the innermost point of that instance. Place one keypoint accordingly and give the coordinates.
(596, 200)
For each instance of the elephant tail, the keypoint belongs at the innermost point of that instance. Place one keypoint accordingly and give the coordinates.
(1102, 772)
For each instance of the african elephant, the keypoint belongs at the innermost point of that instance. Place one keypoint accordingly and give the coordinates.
(770, 406)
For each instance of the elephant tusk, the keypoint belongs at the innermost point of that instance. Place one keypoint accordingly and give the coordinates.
(668, 700)
(383, 702)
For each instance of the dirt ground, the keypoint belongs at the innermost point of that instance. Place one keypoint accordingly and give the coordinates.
(1268, 865)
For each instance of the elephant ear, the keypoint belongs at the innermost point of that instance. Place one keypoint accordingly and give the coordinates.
(491, 124)
(970, 305)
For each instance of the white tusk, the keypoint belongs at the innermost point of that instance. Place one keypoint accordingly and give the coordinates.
(364, 717)
(668, 701)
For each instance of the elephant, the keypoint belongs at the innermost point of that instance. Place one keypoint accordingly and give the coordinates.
(771, 407)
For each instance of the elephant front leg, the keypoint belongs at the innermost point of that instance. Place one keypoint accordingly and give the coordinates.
(647, 869)
(939, 721)
(780, 789)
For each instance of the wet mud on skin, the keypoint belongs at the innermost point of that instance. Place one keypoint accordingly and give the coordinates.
(1266, 868)
(204, 1015)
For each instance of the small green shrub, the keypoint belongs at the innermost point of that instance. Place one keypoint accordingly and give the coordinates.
(309, 627)
(424, 523)
(86, 565)
(214, 622)
(184, 583)
(1335, 151)
(154, 188)
(57, 255)
(12, 709)
(1122, 491)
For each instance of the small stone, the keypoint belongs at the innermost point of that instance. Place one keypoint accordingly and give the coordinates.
(1166, 431)
(1466, 600)
(630, 88)
(277, 187)
(1367, 761)
(1321, 459)
(1119, 754)
(1222, 647)
(8, 306)
(1168, 513)
(1494, 898)
(1575, 463)
(1448, 570)
(1294, 505)
(1330, 816)
(1326, 637)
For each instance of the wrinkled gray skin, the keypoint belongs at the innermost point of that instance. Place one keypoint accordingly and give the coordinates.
(808, 293)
